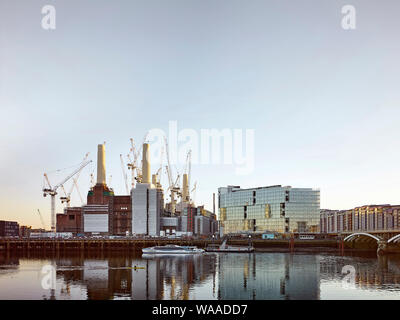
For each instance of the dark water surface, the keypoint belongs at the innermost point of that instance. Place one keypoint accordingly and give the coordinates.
(208, 276)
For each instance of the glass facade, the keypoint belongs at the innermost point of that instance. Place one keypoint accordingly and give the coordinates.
(275, 208)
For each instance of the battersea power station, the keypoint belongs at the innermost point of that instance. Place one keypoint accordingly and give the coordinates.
(142, 213)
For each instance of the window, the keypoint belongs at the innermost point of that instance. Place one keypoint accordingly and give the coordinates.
(71, 217)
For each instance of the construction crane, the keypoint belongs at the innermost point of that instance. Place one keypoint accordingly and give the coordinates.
(67, 196)
(92, 180)
(158, 178)
(193, 193)
(52, 191)
(176, 188)
(124, 174)
(172, 186)
(132, 163)
(133, 156)
(187, 171)
(159, 171)
(41, 219)
(172, 195)
(77, 189)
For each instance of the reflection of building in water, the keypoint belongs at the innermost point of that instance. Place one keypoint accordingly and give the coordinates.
(223, 276)
(95, 276)
(120, 276)
(8, 260)
(271, 276)
(104, 278)
(147, 278)
(372, 274)
(146, 283)
(71, 269)
(179, 273)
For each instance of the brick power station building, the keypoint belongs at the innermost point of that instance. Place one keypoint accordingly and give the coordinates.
(141, 213)
(105, 213)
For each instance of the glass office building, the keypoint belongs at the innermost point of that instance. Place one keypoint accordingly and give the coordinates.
(274, 208)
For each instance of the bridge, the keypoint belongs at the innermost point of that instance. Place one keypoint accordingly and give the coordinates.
(381, 240)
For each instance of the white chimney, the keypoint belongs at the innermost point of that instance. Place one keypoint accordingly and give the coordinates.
(185, 188)
(101, 164)
(146, 164)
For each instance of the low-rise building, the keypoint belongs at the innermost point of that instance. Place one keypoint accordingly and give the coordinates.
(199, 221)
(122, 215)
(70, 220)
(170, 225)
(24, 231)
(367, 218)
(9, 229)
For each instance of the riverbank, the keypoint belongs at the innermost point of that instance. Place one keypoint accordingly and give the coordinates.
(138, 244)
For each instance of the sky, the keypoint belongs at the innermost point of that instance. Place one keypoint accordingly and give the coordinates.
(323, 101)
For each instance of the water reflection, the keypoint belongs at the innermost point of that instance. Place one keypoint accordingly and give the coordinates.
(268, 276)
(209, 276)
(8, 262)
(371, 272)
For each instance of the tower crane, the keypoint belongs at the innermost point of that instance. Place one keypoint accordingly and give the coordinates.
(188, 168)
(132, 162)
(133, 156)
(41, 219)
(158, 177)
(91, 180)
(67, 196)
(52, 191)
(172, 186)
(193, 192)
(124, 174)
(77, 189)
(176, 188)
(159, 171)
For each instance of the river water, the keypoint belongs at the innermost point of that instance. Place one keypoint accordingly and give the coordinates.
(210, 276)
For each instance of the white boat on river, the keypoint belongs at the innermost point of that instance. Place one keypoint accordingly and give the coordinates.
(172, 249)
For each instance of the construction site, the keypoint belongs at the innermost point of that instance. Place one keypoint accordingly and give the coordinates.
(143, 212)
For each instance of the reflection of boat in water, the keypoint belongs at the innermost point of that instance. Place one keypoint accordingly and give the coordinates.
(224, 248)
(172, 250)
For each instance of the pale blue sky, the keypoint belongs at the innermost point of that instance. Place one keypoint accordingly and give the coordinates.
(324, 102)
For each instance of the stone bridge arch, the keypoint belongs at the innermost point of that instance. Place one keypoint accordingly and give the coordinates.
(394, 239)
(357, 234)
